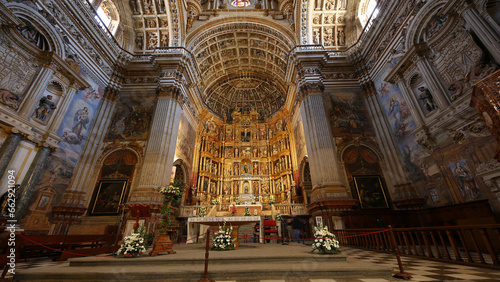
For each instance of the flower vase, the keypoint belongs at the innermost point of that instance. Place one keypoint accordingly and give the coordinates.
(163, 244)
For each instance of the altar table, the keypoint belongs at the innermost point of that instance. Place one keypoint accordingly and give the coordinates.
(235, 221)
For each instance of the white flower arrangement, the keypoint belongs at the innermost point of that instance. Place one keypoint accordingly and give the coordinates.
(203, 212)
(170, 190)
(278, 216)
(133, 245)
(215, 202)
(325, 241)
(223, 240)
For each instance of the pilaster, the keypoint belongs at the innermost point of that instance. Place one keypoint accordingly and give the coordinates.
(482, 29)
(159, 156)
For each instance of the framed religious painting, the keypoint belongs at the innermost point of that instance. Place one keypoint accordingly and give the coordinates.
(371, 193)
(109, 197)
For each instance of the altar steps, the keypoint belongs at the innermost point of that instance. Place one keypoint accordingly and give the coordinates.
(250, 262)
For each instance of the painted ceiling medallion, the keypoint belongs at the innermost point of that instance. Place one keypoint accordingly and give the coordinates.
(240, 3)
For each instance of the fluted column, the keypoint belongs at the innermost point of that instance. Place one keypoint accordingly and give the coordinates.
(159, 156)
(439, 94)
(82, 179)
(31, 179)
(322, 152)
(487, 35)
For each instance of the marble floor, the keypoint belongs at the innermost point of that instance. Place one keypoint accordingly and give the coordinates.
(421, 270)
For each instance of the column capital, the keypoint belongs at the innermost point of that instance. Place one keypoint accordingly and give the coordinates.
(48, 144)
(168, 91)
(311, 89)
(16, 130)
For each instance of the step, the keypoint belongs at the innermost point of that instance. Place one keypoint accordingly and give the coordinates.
(255, 261)
(304, 269)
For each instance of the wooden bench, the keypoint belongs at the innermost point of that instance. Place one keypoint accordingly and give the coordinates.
(62, 247)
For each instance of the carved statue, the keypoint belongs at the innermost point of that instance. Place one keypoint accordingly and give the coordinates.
(133, 6)
(341, 36)
(45, 107)
(427, 99)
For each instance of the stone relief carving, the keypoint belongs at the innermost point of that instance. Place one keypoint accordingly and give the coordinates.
(16, 73)
(458, 55)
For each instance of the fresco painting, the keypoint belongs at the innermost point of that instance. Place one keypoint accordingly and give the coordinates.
(348, 115)
(132, 119)
(73, 131)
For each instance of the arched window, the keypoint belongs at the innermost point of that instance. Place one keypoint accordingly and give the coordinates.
(107, 16)
(368, 9)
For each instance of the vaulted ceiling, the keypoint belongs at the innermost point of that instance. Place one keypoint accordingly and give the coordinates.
(243, 66)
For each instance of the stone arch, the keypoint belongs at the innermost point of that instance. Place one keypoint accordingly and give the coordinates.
(423, 22)
(117, 168)
(41, 24)
(361, 160)
(181, 165)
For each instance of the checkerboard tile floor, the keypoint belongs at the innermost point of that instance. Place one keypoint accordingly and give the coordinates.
(421, 270)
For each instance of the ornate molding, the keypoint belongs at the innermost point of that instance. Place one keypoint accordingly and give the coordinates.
(488, 166)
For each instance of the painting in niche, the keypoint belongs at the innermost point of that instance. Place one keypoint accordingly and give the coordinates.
(43, 202)
(348, 115)
(465, 180)
(370, 192)
(434, 25)
(109, 197)
(131, 119)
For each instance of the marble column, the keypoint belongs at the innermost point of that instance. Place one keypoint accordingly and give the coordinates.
(321, 149)
(8, 149)
(31, 179)
(487, 35)
(159, 155)
(439, 93)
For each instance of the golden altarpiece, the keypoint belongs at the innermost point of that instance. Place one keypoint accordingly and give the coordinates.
(243, 161)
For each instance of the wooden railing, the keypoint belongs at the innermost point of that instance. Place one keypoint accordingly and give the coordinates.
(288, 209)
(477, 245)
(190, 211)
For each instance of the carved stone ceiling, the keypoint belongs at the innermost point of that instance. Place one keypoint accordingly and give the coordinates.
(243, 68)
(329, 23)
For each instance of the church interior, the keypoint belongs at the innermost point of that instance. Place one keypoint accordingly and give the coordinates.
(353, 113)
